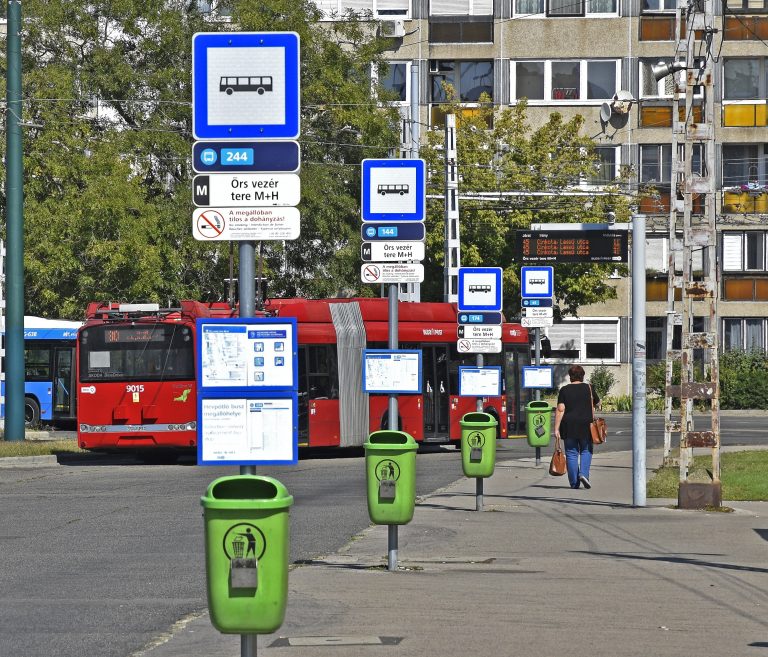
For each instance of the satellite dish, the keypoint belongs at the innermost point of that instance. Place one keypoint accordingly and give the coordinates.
(622, 102)
(605, 112)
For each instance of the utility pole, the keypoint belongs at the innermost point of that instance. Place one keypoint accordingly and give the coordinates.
(413, 290)
(14, 195)
(693, 137)
(452, 242)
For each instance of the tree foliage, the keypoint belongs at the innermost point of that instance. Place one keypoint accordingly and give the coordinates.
(512, 156)
(107, 146)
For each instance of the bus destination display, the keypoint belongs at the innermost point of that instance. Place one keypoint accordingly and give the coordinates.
(134, 334)
(572, 246)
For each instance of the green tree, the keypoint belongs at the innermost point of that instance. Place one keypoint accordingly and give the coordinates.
(511, 156)
(108, 140)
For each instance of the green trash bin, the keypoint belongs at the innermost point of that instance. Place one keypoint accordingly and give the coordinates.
(538, 422)
(246, 553)
(390, 470)
(478, 444)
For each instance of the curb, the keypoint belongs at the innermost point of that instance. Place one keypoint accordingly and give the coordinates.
(29, 461)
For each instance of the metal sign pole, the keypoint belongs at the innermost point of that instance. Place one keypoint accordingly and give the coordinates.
(537, 344)
(248, 645)
(638, 361)
(479, 480)
(246, 296)
(393, 417)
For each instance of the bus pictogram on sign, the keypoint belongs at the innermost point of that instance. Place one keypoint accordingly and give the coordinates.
(259, 84)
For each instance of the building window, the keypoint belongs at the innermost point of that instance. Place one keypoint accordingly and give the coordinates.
(746, 6)
(743, 78)
(655, 164)
(468, 79)
(464, 29)
(652, 6)
(395, 82)
(586, 81)
(460, 7)
(650, 87)
(586, 340)
(214, 10)
(334, 9)
(744, 164)
(744, 334)
(654, 338)
(744, 251)
(564, 8)
(606, 165)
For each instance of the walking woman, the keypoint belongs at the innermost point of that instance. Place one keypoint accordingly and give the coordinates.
(572, 418)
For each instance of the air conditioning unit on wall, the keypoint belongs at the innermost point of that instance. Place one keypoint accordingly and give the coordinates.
(392, 29)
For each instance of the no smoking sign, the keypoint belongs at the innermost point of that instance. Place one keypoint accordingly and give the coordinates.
(210, 223)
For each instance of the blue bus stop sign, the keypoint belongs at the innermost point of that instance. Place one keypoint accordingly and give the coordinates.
(394, 190)
(245, 85)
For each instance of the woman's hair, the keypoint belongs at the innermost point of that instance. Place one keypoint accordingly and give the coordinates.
(576, 373)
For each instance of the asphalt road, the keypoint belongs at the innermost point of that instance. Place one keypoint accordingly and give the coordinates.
(101, 555)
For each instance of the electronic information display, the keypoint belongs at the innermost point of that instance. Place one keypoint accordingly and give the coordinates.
(572, 246)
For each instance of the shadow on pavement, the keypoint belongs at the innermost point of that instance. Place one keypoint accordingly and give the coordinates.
(680, 560)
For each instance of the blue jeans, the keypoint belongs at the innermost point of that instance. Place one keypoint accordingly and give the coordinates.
(578, 458)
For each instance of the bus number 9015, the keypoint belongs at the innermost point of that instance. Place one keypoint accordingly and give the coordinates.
(134, 388)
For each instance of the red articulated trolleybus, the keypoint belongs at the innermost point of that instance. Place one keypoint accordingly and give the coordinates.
(136, 375)
(136, 385)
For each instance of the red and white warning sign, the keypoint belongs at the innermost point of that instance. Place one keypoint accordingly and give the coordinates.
(255, 224)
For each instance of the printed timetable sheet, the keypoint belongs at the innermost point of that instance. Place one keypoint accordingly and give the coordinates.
(247, 429)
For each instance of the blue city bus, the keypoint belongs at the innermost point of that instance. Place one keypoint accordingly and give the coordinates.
(49, 372)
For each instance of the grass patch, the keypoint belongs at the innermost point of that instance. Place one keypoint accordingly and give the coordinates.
(743, 476)
(37, 447)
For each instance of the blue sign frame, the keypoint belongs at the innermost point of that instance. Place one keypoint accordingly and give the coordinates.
(293, 459)
(202, 42)
(407, 231)
(249, 156)
(537, 302)
(382, 354)
(547, 272)
(539, 370)
(253, 392)
(463, 369)
(421, 197)
(479, 318)
(492, 307)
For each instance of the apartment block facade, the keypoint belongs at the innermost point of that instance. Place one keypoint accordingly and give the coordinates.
(572, 56)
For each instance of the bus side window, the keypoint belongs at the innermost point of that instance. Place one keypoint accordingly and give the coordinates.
(37, 364)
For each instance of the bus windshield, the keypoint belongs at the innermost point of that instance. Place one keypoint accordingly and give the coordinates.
(136, 352)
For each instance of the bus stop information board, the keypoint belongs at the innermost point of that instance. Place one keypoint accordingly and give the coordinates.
(572, 246)
(247, 380)
(391, 371)
(479, 381)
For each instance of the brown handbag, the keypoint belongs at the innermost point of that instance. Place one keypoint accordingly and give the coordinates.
(597, 428)
(557, 464)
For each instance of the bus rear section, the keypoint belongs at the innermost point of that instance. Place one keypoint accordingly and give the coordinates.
(136, 376)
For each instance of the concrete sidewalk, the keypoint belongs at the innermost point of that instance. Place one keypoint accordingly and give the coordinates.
(542, 571)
